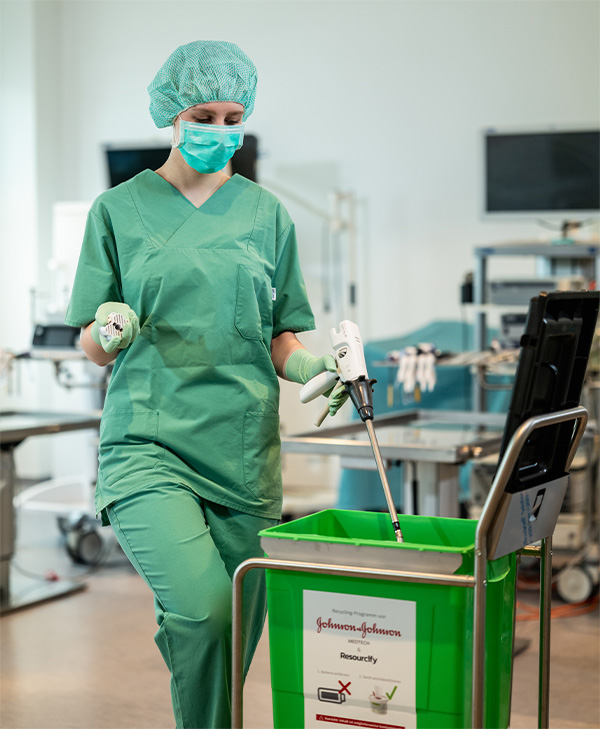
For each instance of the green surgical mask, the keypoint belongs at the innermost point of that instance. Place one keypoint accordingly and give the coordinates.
(208, 147)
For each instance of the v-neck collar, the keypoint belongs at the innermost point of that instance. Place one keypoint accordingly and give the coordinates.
(164, 212)
(160, 181)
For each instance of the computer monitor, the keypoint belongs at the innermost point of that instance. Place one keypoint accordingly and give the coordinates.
(555, 348)
(542, 174)
(127, 162)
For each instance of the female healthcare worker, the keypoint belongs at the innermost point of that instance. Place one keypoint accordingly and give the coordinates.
(204, 269)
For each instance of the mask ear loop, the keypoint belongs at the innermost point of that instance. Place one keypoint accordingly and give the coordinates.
(176, 134)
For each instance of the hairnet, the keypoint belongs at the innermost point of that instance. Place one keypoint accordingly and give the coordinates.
(200, 72)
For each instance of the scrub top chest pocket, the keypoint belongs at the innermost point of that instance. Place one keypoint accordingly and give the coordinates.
(254, 305)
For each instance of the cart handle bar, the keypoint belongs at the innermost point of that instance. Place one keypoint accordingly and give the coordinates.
(488, 513)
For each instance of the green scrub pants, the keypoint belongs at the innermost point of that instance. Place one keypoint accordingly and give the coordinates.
(187, 549)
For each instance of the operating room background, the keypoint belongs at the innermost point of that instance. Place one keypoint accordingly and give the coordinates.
(384, 99)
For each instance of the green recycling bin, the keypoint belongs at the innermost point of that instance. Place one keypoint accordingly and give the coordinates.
(381, 654)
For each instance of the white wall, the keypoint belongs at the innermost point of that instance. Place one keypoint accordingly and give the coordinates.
(387, 99)
(18, 171)
(18, 204)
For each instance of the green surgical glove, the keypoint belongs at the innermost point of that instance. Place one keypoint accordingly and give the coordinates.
(302, 366)
(337, 397)
(131, 327)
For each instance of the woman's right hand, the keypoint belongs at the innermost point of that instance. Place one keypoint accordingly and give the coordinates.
(113, 338)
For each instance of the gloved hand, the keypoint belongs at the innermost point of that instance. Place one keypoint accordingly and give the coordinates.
(130, 331)
(302, 366)
(337, 397)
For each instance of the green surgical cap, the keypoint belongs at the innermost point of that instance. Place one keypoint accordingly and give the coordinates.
(198, 73)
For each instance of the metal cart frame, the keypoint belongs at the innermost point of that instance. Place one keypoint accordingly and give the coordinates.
(478, 581)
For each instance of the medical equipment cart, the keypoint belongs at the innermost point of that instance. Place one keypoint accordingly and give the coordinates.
(509, 523)
(544, 427)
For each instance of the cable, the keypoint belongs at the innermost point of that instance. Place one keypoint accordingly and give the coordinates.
(561, 611)
(531, 583)
(51, 576)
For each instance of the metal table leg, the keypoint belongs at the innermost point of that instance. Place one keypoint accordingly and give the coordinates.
(545, 617)
(7, 525)
(36, 590)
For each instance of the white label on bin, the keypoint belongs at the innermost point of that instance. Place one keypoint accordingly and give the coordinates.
(359, 661)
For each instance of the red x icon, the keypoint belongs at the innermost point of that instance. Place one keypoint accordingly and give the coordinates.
(344, 688)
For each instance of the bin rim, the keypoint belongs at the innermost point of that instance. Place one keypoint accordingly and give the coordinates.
(278, 532)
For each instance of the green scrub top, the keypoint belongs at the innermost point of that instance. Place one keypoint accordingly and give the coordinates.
(195, 397)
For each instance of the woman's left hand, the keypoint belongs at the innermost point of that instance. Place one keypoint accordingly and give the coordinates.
(337, 397)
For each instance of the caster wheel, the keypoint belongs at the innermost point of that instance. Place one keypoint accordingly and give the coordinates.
(83, 542)
(574, 584)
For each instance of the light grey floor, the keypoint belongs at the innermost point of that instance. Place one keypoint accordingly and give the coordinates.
(88, 660)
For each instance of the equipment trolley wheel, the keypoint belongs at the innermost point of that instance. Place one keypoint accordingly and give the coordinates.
(575, 584)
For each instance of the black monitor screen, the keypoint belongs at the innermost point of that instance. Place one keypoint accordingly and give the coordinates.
(125, 163)
(55, 335)
(243, 161)
(542, 172)
(554, 354)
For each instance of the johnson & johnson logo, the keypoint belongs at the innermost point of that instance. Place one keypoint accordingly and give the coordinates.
(363, 629)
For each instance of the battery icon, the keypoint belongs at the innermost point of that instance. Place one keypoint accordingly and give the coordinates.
(333, 696)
